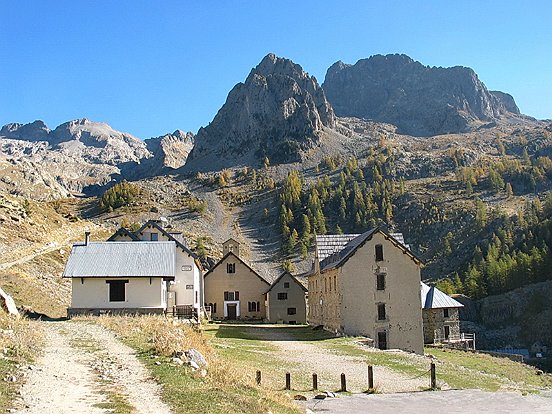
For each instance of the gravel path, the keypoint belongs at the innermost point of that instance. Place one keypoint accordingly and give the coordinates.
(83, 366)
(328, 364)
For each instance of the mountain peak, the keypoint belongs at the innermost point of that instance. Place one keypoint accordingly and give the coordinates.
(419, 100)
(278, 112)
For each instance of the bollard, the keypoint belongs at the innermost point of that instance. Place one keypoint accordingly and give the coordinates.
(433, 379)
(370, 377)
(288, 381)
(258, 378)
(343, 383)
(314, 382)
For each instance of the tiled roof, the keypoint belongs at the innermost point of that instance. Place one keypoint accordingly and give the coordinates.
(122, 259)
(332, 243)
(433, 298)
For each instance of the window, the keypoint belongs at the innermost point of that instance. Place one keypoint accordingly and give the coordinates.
(381, 312)
(117, 290)
(254, 306)
(154, 237)
(230, 267)
(335, 282)
(446, 312)
(286, 285)
(380, 281)
(291, 311)
(379, 253)
(230, 296)
(282, 296)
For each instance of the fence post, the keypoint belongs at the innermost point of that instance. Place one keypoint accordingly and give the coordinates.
(258, 378)
(433, 379)
(288, 381)
(314, 382)
(370, 377)
(343, 383)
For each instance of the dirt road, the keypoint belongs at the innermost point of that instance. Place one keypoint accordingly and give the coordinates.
(84, 369)
(328, 364)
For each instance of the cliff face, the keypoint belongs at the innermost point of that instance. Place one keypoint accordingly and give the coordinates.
(419, 100)
(278, 112)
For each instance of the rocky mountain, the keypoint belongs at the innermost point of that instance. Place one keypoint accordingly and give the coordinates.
(279, 111)
(81, 156)
(171, 150)
(420, 100)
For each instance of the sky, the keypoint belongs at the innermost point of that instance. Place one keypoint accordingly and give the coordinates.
(151, 67)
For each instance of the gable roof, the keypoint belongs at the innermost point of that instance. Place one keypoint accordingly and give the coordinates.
(292, 277)
(433, 298)
(240, 260)
(169, 236)
(123, 232)
(122, 259)
(340, 256)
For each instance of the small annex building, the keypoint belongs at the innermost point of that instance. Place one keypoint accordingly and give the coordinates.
(120, 277)
(440, 315)
(368, 284)
(286, 301)
(233, 289)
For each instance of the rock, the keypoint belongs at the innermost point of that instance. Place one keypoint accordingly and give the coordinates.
(12, 378)
(299, 397)
(195, 356)
(329, 394)
(203, 373)
(539, 372)
(7, 303)
(177, 361)
(320, 396)
(420, 100)
(157, 362)
(193, 365)
(278, 112)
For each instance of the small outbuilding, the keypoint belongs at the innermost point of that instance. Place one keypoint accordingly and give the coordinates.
(286, 301)
(440, 314)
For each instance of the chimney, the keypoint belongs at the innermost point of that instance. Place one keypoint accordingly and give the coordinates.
(86, 237)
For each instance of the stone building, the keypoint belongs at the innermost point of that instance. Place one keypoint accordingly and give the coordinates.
(286, 301)
(233, 290)
(368, 284)
(440, 314)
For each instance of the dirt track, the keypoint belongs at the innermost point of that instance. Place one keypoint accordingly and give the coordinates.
(83, 369)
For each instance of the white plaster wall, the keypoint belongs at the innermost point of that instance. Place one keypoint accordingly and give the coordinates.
(94, 293)
(277, 309)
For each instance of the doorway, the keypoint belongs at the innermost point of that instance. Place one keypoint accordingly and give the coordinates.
(382, 340)
(232, 311)
(447, 332)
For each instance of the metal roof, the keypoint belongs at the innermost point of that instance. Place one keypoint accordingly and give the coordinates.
(332, 243)
(122, 259)
(433, 298)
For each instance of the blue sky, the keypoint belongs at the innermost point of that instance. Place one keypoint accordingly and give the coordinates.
(150, 67)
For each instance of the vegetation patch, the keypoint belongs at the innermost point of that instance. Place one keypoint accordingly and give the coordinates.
(227, 386)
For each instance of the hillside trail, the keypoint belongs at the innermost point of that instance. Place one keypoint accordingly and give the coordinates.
(85, 369)
(314, 358)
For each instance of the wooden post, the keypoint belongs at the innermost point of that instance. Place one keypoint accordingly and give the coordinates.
(288, 381)
(343, 383)
(314, 382)
(370, 377)
(258, 378)
(433, 379)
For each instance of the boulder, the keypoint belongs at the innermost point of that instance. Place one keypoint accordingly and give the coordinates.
(8, 304)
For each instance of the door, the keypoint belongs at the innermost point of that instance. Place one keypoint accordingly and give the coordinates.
(447, 332)
(231, 308)
(382, 340)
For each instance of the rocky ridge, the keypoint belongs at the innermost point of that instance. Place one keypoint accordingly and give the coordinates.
(420, 100)
(279, 112)
(81, 156)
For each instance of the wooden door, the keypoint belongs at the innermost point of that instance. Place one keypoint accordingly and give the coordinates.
(382, 340)
(231, 308)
